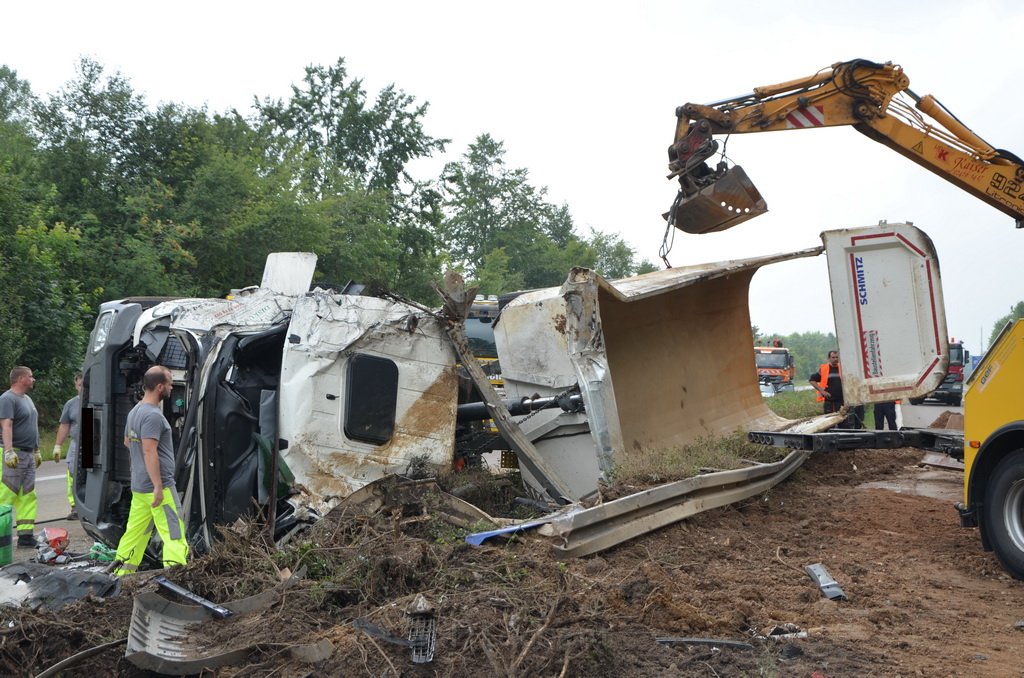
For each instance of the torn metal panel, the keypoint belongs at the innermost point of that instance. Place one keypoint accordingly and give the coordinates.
(326, 332)
(890, 318)
(289, 273)
(661, 360)
(168, 637)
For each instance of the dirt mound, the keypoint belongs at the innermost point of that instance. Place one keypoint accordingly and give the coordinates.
(950, 420)
(508, 608)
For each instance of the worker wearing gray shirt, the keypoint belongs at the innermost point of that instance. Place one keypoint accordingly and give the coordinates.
(69, 427)
(19, 437)
(154, 498)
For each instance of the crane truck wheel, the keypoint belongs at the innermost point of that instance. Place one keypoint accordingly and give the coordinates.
(1004, 512)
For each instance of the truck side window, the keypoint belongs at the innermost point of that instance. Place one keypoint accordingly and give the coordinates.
(370, 399)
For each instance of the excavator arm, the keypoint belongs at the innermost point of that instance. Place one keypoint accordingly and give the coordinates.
(873, 98)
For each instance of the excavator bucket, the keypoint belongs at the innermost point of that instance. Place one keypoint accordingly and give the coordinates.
(730, 200)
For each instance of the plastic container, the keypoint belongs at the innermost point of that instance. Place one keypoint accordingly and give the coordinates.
(6, 535)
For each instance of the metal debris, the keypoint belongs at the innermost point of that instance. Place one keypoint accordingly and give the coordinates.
(829, 587)
(422, 629)
(713, 642)
(218, 611)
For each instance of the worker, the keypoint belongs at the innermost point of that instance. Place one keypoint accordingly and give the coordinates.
(828, 383)
(154, 498)
(885, 412)
(19, 422)
(69, 424)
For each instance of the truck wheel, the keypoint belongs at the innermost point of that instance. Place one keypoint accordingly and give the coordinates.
(1004, 512)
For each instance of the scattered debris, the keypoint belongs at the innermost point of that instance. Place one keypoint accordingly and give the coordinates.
(829, 586)
(785, 632)
(713, 642)
(38, 585)
(496, 605)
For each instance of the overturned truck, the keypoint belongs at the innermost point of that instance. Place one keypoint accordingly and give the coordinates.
(329, 391)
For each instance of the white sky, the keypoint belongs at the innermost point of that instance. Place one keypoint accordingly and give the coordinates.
(583, 94)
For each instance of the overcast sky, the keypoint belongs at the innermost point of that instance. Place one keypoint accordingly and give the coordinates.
(583, 94)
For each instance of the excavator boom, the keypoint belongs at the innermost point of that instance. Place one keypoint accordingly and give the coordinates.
(874, 99)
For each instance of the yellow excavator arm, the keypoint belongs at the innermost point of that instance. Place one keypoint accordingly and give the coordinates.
(874, 98)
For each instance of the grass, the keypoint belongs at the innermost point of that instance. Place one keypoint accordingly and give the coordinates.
(662, 465)
(801, 404)
(794, 404)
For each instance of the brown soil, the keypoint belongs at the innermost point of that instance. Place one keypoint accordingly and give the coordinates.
(923, 598)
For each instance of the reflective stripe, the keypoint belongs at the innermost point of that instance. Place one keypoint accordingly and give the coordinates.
(173, 524)
(125, 569)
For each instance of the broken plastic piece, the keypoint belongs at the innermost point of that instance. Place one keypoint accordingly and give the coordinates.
(56, 538)
(829, 586)
(478, 538)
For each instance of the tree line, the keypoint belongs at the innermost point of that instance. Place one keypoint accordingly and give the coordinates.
(104, 196)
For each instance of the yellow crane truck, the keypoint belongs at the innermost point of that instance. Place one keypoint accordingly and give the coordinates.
(994, 449)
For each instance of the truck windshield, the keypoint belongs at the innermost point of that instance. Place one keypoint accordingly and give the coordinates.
(480, 333)
(956, 355)
(778, 360)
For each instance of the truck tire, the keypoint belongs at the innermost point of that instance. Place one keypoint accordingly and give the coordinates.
(1003, 513)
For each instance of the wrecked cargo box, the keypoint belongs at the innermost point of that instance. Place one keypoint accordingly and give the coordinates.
(663, 359)
(329, 392)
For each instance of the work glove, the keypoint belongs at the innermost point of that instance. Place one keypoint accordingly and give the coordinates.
(38, 457)
(10, 459)
(56, 453)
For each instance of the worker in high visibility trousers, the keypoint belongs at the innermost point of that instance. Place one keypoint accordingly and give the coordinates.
(19, 423)
(154, 498)
(828, 382)
(68, 427)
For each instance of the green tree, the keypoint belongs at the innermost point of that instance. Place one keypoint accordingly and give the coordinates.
(616, 259)
(329, 123)
(51, 309)
(489, 206)
(494, 276)
(85, 131)
(1016, 312)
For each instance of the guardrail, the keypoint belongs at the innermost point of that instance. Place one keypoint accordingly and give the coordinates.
(596, 529)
